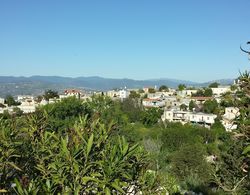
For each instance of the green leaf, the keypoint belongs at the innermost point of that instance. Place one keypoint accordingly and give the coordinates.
(89, 145)
(107, 191)
(88, 179)
(76, 168)
(64, 146)
(246, 150)
(14, 166)
(117, 187)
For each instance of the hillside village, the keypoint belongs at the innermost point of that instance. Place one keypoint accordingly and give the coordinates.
(201, 106)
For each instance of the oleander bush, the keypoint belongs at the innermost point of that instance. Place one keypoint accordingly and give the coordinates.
(86, 158)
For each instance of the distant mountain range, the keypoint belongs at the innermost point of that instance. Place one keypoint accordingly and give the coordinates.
(35, 85)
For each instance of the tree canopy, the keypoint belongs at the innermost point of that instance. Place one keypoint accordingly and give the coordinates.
(10, 101)
(163, 88)
(48, 94)
(213, 85)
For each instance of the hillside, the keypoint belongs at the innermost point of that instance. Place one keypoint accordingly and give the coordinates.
(37, 84)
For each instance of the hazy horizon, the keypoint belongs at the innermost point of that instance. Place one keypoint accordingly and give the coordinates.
(93, 76)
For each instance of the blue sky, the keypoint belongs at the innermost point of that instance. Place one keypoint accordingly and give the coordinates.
(140, 39)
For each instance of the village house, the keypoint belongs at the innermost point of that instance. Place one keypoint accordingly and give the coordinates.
(71, 93)
(200, 100)
(112, 94)
(202, 118)
(185, 101)
(174, 115)
(218, 91)
(7, 109)
(115, 94)
(28, 104)
(27, 107)
(1, 100)
(228, 119)
(123, 93)
(187, 92)
(171, 102)
(43, 102)
(26, 99)
(53, 100)
(158, 103)
(146, 89)
(156, 95)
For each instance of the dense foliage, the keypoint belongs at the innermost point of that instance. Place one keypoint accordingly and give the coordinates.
(85, 156)
(110, 147)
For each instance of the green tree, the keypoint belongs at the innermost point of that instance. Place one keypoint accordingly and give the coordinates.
(132, 108)
(208, 92)
(183, 107)
(39, 98)
(210, 106)
(151, 90)
(48, 94)
(151, 116)
(192, 105)
(214, 85)
(87, 157)
(181, 87)
(10, 101)
(227, 100)
(141, 91)
(233, 87)
(134, 95)
(190, 161)
(17, 111)
(63, 114)
(232, 173)
(199, 93)
(163, 88)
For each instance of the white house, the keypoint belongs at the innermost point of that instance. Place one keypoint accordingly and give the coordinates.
(123, 94)
(173, 115)
(112, 94)
(228, 119)
(153, 103)
(231, 112)
(1, 100)
(53, 100)
(28, 104)
(27, 108)
(220, 90)
(25, 98)
(43, 102)
(171, 101)
(72, 92)
(156, 95)
(8, 109)
(202, 118)
(186, 92)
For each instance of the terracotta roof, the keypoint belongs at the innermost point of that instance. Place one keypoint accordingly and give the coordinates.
(72, 91)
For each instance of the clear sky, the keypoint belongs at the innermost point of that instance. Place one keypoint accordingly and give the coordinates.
(140, 39)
